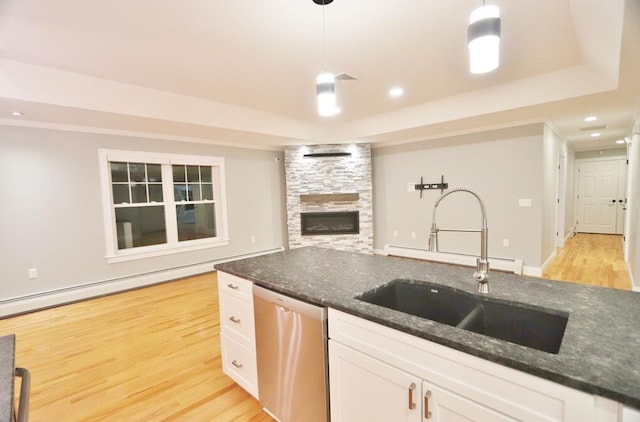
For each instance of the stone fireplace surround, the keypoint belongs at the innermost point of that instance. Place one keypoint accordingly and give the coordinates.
(334, 178)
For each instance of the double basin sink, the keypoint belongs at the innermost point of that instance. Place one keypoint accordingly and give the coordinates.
(516, 323)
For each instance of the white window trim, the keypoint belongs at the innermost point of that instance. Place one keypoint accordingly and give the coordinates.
(114, 255)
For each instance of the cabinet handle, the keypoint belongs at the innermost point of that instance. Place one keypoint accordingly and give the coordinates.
(234, 319)
(427, 412)
(412, 387)
(236, 364)
(233, 286)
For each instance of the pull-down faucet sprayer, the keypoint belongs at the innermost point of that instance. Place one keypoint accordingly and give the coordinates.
(482, 263)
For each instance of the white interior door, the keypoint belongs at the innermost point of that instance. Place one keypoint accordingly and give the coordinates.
(622, 194)
(598, 190)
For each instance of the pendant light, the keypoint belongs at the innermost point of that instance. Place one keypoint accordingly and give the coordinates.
(483, 39)
(325, 82)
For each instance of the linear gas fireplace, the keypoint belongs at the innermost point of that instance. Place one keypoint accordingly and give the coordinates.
(330, 223)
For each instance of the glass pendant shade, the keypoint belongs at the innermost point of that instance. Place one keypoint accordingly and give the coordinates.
(326, 91)
(483, 39)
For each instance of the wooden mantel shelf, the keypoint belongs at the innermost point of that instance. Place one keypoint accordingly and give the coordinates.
(330, 197)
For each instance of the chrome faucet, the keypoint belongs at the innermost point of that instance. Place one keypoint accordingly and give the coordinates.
(482, 263)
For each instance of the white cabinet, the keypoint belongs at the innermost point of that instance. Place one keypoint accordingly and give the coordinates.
(373, 368)
(366, 389)
(442, 405)
(237, 331)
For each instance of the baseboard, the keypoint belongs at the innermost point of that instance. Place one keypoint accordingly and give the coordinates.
(571, 233)
(501, 264)
(380, 252)
(634, 287)
(532, 271)
(546, 263)
(52, 298)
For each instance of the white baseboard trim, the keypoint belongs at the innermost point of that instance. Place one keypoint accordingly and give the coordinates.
(571, 233)
(546, 263)
(532, 271)
(380, 252)
(48, 299)
(634, 287)
(502, 264)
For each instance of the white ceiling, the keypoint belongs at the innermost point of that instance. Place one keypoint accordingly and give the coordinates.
(243, 72)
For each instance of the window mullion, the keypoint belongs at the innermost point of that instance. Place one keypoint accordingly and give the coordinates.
(169, 204)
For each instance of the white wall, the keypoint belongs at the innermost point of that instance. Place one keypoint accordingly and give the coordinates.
(553, 147)
(503, 166)
(51, 210)
(570, 194)
(633, 208)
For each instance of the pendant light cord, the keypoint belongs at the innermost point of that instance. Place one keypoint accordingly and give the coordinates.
(324, 38)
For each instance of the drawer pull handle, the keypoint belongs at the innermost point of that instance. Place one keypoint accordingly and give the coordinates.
(412, 405)
(234, 319)
(236, 364)
(233, 286)
(427, 412)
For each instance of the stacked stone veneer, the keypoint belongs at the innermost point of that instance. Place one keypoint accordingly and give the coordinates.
(330, 175)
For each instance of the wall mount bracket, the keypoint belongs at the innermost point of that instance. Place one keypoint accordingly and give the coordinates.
(430, 186)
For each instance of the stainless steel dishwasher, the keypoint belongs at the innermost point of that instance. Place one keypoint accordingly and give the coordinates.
(291, 348)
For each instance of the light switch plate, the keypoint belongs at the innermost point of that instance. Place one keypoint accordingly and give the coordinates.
(524, 202)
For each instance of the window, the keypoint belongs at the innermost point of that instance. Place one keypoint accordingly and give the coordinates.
(156, 204)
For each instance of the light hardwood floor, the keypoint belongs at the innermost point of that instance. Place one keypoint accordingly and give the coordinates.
(595, 259)
(151, 354)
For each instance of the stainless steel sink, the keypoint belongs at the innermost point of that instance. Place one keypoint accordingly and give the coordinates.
(540, 329)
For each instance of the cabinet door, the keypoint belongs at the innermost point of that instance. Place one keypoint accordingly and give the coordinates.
(442, 405)
(365, 389)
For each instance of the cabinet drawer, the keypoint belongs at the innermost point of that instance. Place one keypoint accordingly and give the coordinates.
(236, 320)
(236, 286)
(239, 363)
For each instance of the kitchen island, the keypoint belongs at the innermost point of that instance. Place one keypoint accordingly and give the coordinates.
(596, 355)
(7, 368)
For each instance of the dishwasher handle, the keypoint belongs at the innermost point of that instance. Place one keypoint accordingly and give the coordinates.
(291, 304)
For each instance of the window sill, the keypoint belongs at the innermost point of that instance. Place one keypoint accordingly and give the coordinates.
(155, 252)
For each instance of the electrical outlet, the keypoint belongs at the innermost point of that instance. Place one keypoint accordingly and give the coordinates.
(253, 239)
(411, 187)
(505, 243)
(33, 273)
(413, 235)
(395, 233)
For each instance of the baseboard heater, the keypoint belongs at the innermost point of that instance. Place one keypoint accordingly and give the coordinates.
(500, 264)
(51, 298)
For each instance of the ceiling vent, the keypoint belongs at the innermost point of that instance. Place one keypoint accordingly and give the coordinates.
(593, 128)
(345, 79)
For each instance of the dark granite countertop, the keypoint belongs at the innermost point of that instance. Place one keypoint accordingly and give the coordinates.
(7, 371)
(597, 354)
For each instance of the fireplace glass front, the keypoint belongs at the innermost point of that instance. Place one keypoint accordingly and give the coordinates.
(330, 223)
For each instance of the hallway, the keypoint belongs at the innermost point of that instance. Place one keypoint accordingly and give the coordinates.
(595, 259)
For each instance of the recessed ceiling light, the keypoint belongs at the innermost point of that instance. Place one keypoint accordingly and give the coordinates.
(590, 119)
(595, 135)
(16, 113)
(620, 141)
(396, 92)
